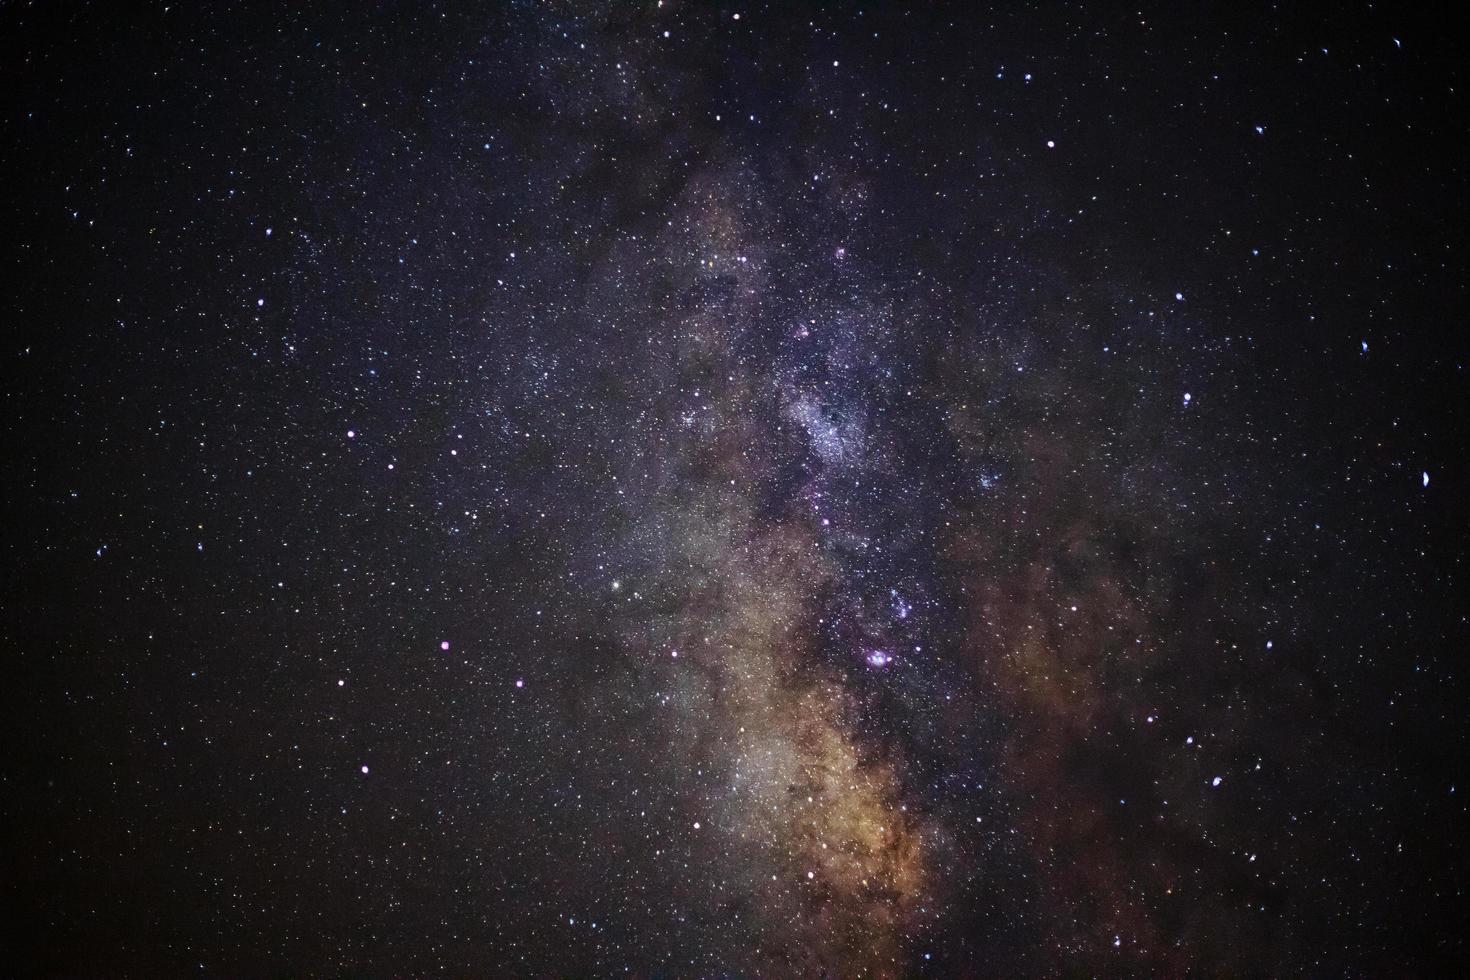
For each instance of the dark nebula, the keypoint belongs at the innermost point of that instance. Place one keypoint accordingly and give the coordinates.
(707, 490)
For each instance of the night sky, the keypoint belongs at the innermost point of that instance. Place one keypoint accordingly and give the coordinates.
(732, 490)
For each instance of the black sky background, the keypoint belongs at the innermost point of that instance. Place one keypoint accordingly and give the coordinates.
(196, 554)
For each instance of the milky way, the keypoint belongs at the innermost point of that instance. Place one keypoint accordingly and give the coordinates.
(666, 489)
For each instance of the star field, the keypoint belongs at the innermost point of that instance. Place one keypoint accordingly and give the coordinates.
(668, 489)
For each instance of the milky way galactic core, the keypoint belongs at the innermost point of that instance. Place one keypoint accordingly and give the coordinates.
(669, 489)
